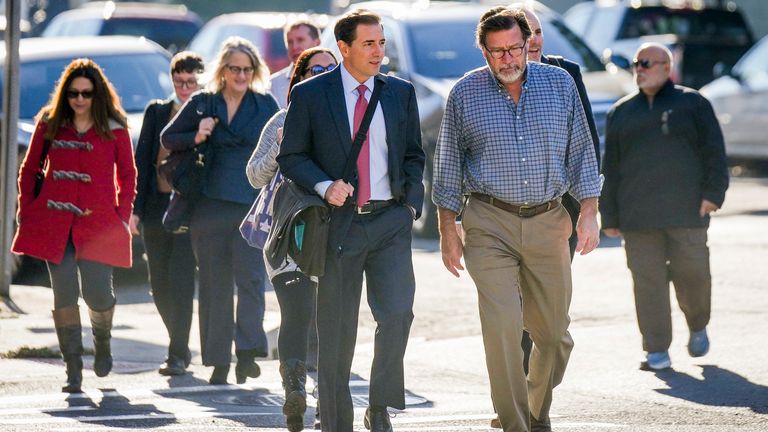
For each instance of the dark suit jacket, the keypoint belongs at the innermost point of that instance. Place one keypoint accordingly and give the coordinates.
(156, 116)
(229, 146)
(574, 71)
(317, 139)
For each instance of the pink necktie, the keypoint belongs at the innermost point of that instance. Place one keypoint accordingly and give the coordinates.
(363, 160)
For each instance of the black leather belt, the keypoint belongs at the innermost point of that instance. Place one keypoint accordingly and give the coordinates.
(374, 206)
(522, 211)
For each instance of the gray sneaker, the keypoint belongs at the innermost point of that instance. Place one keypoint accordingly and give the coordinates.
(657, 360)
(698, 344)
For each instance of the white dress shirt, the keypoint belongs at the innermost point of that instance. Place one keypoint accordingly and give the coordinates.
(278, 83)
(377, 138)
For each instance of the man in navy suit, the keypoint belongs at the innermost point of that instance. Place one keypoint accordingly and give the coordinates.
(371, 218)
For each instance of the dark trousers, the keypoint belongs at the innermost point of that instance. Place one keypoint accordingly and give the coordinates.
(171, 266)
(379, 246)
(296, 296)
(657, 256)
(224, 261)
(96, 282)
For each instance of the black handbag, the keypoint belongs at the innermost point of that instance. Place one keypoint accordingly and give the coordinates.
(40, 174)
(183, 169)
(304, 237)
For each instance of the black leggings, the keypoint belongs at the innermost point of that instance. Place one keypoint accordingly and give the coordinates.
(296, 296)
(66, 280)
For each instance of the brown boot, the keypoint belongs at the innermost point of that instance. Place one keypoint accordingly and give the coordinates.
(101, 325)
(69, 333)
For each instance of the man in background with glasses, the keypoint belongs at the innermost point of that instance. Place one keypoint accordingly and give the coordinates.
(299, 36)
(513, 140)
(665, 172)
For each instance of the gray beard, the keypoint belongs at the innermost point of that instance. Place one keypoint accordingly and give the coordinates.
(509, 76)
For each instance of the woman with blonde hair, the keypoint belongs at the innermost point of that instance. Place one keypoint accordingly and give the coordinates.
(226, 120)
(77, 218)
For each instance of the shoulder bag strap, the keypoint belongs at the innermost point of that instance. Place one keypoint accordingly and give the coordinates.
(357, 144)
(44, 154)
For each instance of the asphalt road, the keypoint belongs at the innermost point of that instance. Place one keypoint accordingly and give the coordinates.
(446, 379)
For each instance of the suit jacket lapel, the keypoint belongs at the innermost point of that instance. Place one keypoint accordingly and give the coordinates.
(337, 105)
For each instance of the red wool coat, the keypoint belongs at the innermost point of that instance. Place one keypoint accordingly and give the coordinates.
(88, 192)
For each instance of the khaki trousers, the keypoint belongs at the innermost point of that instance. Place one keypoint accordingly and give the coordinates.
(521, 267)
(657, 256)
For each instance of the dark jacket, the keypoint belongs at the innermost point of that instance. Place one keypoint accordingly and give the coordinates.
(229, 146)
(317, 138)
(156, 117)
(661, 161)
(574, 70)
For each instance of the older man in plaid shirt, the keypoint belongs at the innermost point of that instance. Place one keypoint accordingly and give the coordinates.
(514, 139)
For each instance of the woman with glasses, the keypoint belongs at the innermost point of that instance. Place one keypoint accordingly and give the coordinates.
(227, 118)
(295, 291)
(76, 190)
(170, 260)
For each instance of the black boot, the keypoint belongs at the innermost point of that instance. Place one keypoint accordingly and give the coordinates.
(219, 375)
(69, 332)
(101, 325)
(294, 374)
(246, 366)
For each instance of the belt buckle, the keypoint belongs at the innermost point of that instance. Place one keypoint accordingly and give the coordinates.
(523, 211)
(361, 211)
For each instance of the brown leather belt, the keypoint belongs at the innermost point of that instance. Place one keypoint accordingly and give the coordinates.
(522, 211)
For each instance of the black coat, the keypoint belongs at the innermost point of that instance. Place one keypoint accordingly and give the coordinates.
(661, 161)
(156, 116)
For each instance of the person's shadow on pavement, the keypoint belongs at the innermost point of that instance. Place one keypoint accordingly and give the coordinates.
(115, 410)
(720, 387)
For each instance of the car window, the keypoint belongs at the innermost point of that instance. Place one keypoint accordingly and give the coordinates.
(443, 49)
(719, 26)
(276, 44)
(753, 68)
(578, 16)
(137, 79)
(560, 40)
(392, 49)
(209, 43)
(73, 27)
(168, 33)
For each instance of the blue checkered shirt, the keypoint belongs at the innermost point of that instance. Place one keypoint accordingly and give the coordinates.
(526, 153)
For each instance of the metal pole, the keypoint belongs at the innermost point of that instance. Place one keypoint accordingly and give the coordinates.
(9, 153)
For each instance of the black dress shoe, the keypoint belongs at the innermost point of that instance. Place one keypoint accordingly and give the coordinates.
(219, 375)
(540, 426)
(173, 366)
(377, 419)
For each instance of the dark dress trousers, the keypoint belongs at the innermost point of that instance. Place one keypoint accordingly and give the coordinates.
(574, 70)
(224, 259)
(169, 256)
(378, 245)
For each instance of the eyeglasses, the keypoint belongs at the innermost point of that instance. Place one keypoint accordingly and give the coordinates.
(237, 69)
(74, 94)
(317, 69)
(646, 64)
(191, 83)
(498, 53)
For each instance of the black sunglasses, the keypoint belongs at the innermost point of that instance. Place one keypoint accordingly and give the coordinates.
(646, 64)
(73, 94)
(317, 69)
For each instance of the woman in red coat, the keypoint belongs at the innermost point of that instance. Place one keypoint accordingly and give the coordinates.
(78, 223)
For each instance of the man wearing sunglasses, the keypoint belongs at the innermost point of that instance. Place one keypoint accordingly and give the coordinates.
(665, 172)
(299, 36)
(371, 218)
(514, 139)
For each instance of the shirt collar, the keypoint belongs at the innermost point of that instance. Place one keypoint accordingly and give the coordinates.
(350, 83)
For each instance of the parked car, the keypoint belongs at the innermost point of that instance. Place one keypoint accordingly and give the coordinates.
(138, 69)
(740, 100)
(263, 29)
(435, 46)
(171, 26)
(699, 33)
